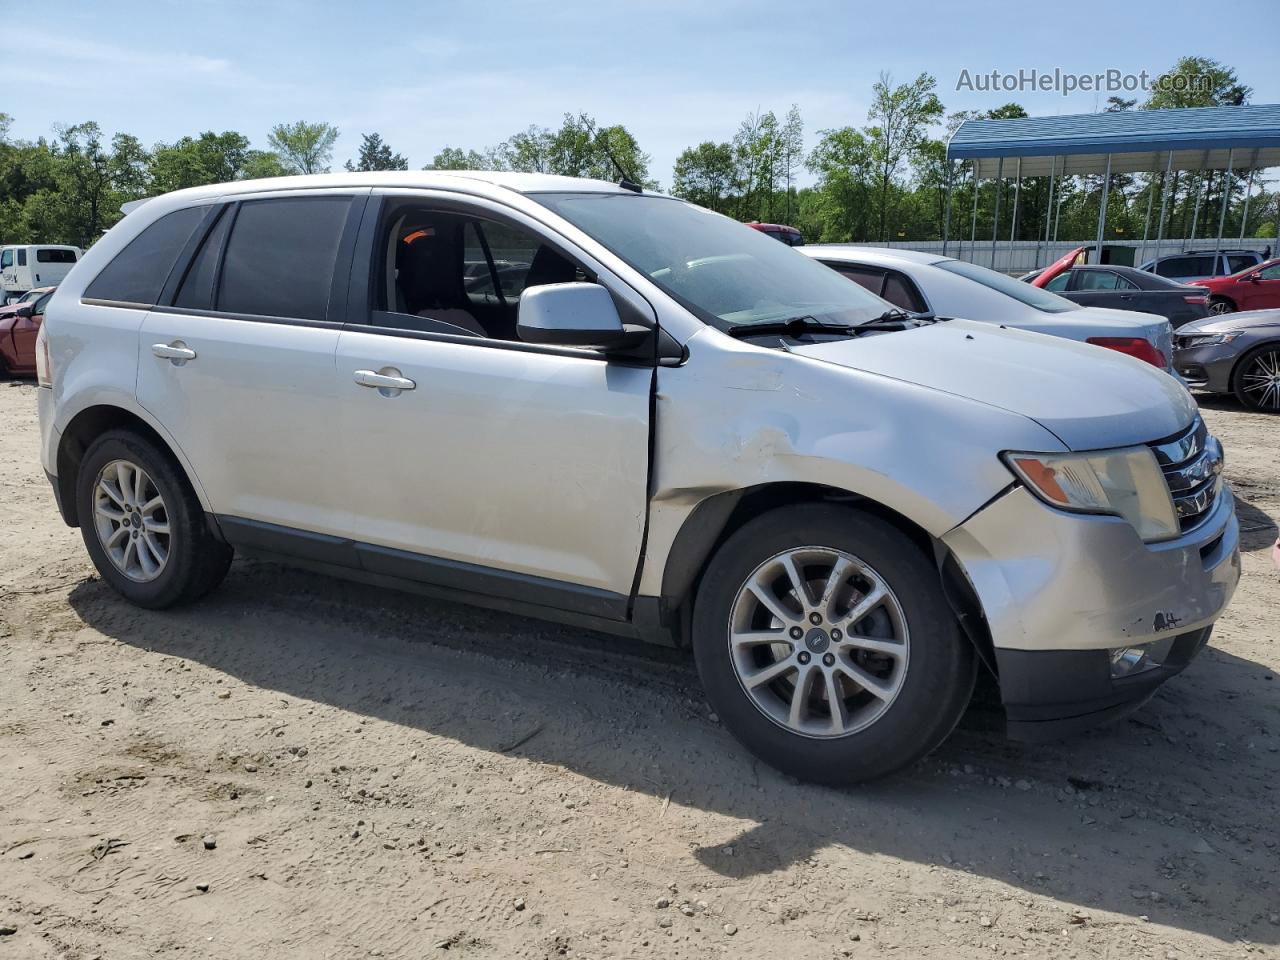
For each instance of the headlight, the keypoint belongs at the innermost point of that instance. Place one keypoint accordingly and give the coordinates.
(1125, 483)
(1206, 339)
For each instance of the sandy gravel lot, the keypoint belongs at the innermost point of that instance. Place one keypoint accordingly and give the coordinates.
(382, 776)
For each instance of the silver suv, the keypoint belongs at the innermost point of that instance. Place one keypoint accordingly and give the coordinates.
(589, 403)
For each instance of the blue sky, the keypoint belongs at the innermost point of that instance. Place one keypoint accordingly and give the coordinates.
(427, 74)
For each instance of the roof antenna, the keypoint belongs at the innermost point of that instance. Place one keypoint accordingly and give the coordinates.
(625, 179)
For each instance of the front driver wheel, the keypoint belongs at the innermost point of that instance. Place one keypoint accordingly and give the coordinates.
(824, 642)
(1219, 305)
(142, 524)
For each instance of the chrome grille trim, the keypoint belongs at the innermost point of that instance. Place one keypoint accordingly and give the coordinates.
(1192, 465)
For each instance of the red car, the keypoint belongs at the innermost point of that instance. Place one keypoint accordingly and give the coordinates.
(779, 231)
(1254, 288)
(19, 324)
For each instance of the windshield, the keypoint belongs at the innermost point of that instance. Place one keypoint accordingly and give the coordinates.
(1022, 292)
(724, 272)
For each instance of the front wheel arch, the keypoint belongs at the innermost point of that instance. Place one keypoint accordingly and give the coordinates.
(1225, 302)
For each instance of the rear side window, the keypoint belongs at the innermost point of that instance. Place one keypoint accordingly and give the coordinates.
(55, 256)
(1060, 282)
(1103, 280)
(867, 277)
(22, 258)
(138, 272)
(901, 292)
(1236, 263)
(280, 257)
(196, 291)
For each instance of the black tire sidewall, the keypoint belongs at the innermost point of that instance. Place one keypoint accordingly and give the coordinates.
(1237, 387)
(185, 565)
(941, 664)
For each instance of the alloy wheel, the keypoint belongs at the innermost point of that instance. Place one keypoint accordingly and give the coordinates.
(131, 520)
(818, 641)
(1219, 306)
(1260, 380)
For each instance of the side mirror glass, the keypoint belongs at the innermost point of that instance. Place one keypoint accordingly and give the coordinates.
(571, 314)
(26, 310)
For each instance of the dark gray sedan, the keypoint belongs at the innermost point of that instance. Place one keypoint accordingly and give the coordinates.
(1124, 288)
(1236, 353)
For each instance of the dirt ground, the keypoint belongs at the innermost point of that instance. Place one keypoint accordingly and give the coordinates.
(378, 775)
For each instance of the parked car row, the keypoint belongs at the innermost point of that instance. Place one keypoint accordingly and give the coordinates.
(669, 427)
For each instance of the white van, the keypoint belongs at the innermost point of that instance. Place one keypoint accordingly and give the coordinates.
(25, 266)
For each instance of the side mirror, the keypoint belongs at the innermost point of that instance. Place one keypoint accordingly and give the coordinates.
(26, 310)
(1254, 277)
(572, 315)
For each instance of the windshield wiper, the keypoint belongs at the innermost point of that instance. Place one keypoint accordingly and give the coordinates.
(792, 326)
(897, 317)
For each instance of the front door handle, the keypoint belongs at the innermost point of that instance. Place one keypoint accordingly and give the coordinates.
(177, 351)
(386, 381)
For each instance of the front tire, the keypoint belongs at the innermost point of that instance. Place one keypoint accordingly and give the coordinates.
(1221, 305)
(142, 524)
(1256, 380)
(825, 644)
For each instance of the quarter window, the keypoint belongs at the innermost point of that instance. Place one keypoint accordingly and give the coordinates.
(867, 277)
(280, 257)
(901, 292)
(138, 272)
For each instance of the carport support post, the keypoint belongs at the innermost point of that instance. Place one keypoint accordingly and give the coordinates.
(1017, 190)
(946, 222)
(995, 217)
(1102, 211)
(1164, 201)
(1226, 195)
(1244, 217)
(973, 226)
(1146, 226)
(1048, 210)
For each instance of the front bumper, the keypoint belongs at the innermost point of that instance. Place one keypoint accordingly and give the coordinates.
(1207, 368)
(1057, 693)
(1059, 590)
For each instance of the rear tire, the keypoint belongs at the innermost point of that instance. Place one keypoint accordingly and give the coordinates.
(1256, 379)
(900, 673)
(142, 524)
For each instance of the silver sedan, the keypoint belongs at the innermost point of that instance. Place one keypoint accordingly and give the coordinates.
(1238, 353)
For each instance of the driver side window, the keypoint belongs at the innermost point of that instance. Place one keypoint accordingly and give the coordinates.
(447, 272)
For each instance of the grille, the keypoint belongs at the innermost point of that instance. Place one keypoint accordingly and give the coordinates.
(1192, 465)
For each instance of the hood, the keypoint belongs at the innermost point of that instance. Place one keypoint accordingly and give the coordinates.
(1089, 397)
(1062, 263)
(1225, 323)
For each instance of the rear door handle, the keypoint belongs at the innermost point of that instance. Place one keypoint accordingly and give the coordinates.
(177, 351)
(388, 380)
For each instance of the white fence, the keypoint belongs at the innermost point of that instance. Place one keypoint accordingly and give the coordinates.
(1023, 256)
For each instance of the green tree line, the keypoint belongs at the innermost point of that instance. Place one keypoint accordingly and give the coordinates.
(884, 180)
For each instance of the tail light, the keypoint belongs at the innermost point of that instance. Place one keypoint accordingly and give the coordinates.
(44, 369)
(1198, 301)
(1133, 347)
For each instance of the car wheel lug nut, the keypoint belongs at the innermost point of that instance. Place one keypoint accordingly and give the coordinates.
(796, 633)
(804, 657)
(829, 660)
(815, 618)
(836, 635)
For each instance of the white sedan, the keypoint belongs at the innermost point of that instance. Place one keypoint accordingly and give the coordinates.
(946, 287)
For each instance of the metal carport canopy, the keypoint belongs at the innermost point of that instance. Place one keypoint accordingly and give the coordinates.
(1199, 138)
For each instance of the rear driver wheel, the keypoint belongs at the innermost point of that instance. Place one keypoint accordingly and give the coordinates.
(824, 642)
(142, 524)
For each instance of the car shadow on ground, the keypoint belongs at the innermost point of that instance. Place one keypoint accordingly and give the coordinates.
(1101, 820)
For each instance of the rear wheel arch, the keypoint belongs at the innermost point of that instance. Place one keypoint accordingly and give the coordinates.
(91, 423)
